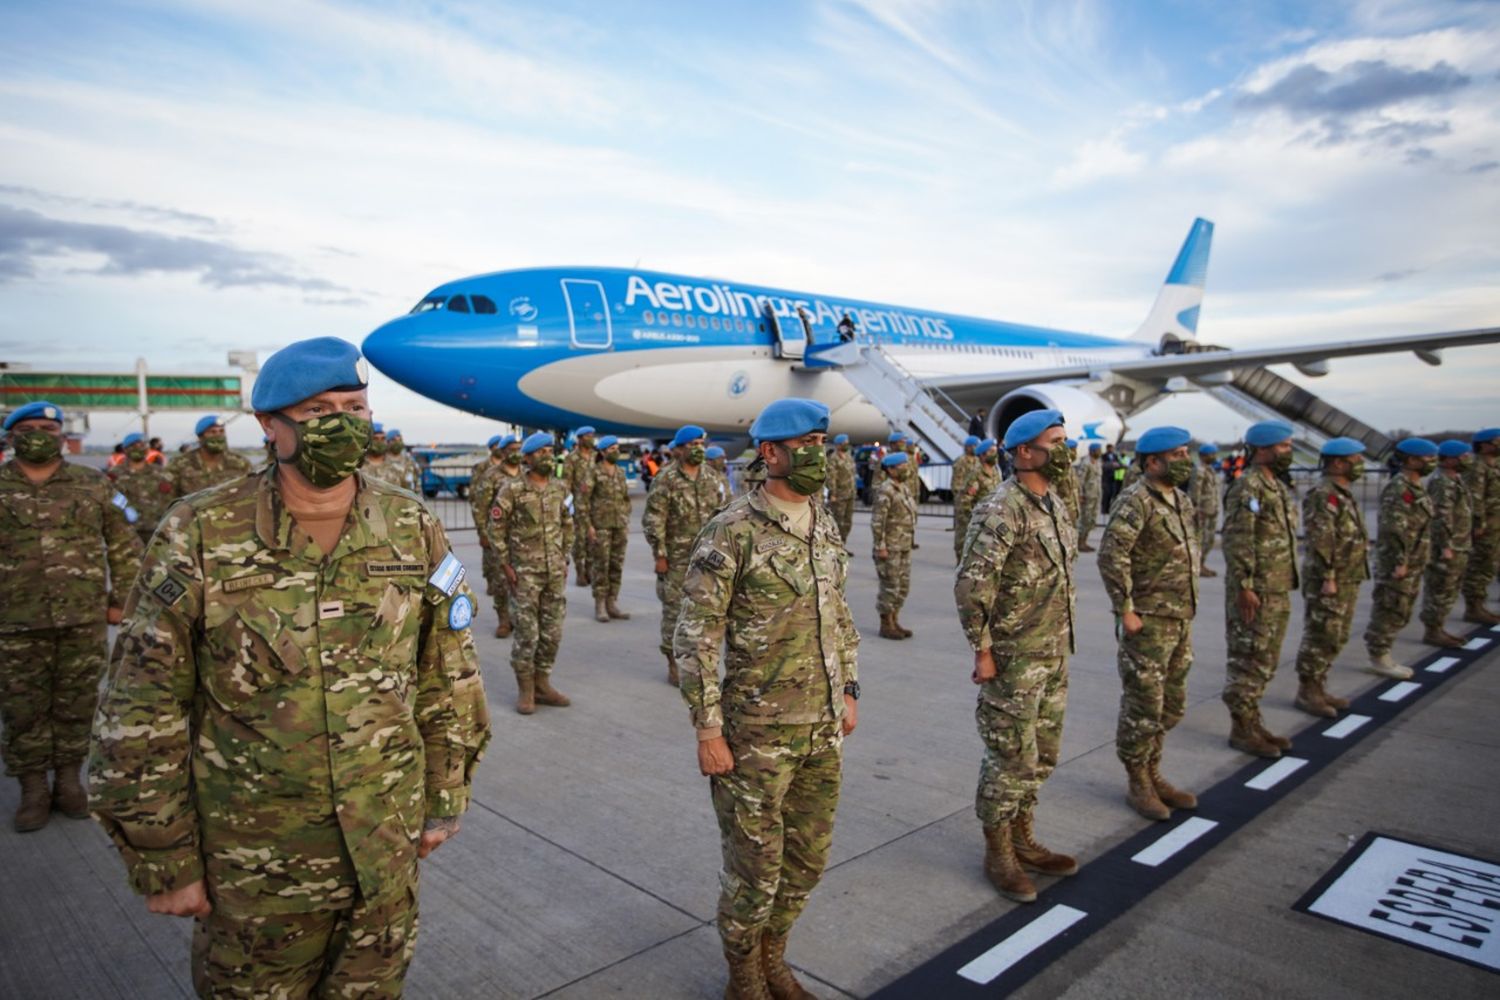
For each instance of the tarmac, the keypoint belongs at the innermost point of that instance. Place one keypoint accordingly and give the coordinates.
(588, 864)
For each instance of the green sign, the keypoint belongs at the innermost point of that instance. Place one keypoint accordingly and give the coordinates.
(74, 390)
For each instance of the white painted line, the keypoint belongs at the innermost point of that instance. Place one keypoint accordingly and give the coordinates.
(1478, 643)
(1495, 628)
(1442, 666)
(1020, 944)
(1273, 774)
(1345, 726)
(1169, 844)
(1399, 691)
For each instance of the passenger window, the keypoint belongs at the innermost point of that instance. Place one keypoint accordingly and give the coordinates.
(649, 317)
(677, 319)
(661, 319)
(458, 304)
(702, 322)
(483, 304)
(713, 321)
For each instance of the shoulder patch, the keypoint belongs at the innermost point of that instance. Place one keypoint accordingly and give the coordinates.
(449, 575)
(120, 501)
(1408, 496)
(1254, 505)
(711, 558)
(170, 590)
(460, 613)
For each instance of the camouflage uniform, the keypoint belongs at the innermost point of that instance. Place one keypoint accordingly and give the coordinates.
(1067, 491)
(964, 470)
(485, 480)
(57, 538)
(1090, 490)
(190, 472)
(1483, 479)
(977, 486)
(1452, 529)
(1260, 549)
(1015, 595)
(1403, 538)
(773, 602)
(1338, 545)
(401, 470)
(149, 491)
(607, 508)
(841, 490)
(677, 508)
(578, 469)
(1149, 562)
(893, 525)
(1204, 489)
(387, 470)
(281, 722)
(531, 530)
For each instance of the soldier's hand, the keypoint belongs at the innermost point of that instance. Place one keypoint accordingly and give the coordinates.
(851, 714)
(1399, 573)
(984, 667)
(882, 554)
(484, 541)
(714, 757)
(1131, 623)
(1447, 557)
(510, 574)
(1248, 604)
(661, 565)
(1330, 587)
(435, 832)
(114, 616)
(593, 535)
(189, 901)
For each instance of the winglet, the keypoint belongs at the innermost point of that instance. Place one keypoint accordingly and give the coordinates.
(1175, 314)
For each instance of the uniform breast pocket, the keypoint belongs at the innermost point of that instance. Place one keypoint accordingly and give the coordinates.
(796, 574)
(391, 636)
(252, 648)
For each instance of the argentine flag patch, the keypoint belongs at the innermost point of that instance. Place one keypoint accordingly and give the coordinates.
(131, 514)
(449, 574)
(460, 613)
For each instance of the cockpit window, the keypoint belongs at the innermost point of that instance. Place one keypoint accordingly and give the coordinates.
(430, 303)
(483, 304)
(458, 304)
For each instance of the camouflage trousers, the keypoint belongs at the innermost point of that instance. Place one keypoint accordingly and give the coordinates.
(1327, 620)
(607, 560)
(361, 951)
(1020, 717)
(1153, 666)
(961, 514)
(775, 812)
(582, 552)
(1207, 530)
(1392, 610)
(1481, 568)
(537, 606)
(1253, 649)
(1088, 517)
(49, 682)
(894, 572)
(1440, 585)
(669, 592)
(843, 515)
(495, 584)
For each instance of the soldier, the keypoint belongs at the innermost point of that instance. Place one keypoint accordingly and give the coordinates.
(765, 585)
(209, 464)
(1483, 478)
(1204, 490)
(501, 465)
(978, 484)
(294, 709)
(1260, 548)
(1015, 594)
(682, 499)
(1090, 475)
(1402, 546)
(376, 465)
(1149, 562)
(913, 481)
(1067, 487)
(607, 517)
(578, 467)
(531, 531)
(146, 486)
(964, 468)
(841, 486)
(714, 458)
(1452, 538)
(404, 470)
(893, 523)
(894, 443)
(61, 527)
(1336, 563)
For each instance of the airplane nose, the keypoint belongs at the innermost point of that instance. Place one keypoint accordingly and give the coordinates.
(396, 348)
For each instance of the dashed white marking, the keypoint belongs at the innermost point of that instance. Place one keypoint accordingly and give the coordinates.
(1442, 666)
(1400, 691)
(1345, 726)
(1273, 774)
(1169, 844)
(1020, 944)
(1478, 643)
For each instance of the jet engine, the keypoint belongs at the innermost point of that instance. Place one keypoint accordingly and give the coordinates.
(1085, 416)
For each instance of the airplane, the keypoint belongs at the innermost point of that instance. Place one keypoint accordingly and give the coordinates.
(640, 353)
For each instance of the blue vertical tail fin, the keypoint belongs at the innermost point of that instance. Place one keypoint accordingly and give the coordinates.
(1174, 317)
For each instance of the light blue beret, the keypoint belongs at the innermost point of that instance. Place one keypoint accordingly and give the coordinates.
(377, 428)
(896, 438)
(691, 432)
(1208, 449)
(306, 368)
(494, 442)
(40, 410)
(211, 421)
(1072, 442)
(541, 439)
(986, 446)
(972, 441)
(841, 439)
(1160, 439)
(1417, 447)
(1488, 434)
(1342, 447)
(789, 418)
(1030, 426)
(585, 429)
(1453, 449)
(508, 440)
(133, 438)
(393, 433)
(607, 442)
(895, 458)
(1096, 446)
(714, 451)
(1267, 433)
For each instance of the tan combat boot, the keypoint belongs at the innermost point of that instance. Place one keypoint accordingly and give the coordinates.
(1279, 742)
(747, 977)
(546, 694)
(906, 633)
(1002, 867)
(1171, 796)
(601, 613)
(1033, 855)
(526, 700)
(1382, 664)
(582, 577)
(1310, 699)
(1085, 547)
(672, 677)
(1205, 571)
(1140, 794)
(1479, 614)
(888, 628)
(505, 628)
(68, 794)
(780, 982)
(1434, 635)
(613, 609)
(1328, 696)
(36, 802)
(1245, 737)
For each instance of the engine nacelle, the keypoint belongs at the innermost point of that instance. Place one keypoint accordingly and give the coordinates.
(1085, 416)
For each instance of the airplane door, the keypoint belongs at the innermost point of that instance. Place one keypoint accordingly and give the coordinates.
(588, 313)
(788, 335)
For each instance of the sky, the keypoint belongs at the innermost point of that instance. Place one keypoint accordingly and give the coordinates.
(183, 179)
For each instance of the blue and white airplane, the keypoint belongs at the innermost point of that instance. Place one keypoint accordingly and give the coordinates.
(642, 352)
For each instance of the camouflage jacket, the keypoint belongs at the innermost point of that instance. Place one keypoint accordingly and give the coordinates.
(774, 604)
(608, 496)
(388, 470)
(189, 473)
(1338, 543)
(840, 475)
(282, 721)
(964, 468)
(1403, 536)
(149, 491)
(893, 517)
(1204, 488)
(578, 470)
(530, 526)
(1066, 489)
(677, 508)
(1452, 513)
(485, 481)
(980, 485)
(1260, 536)
(1149, 557)
(405, 472)
(1090, 477)
(57, 538)
(1483, 479)
(1015, 590)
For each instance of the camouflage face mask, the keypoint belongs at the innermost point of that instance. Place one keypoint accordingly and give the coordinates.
(36, 447)
(1059, 462)
(215, 445)
(394, 447)
(540, 462)
(330, 448)
(1179, 471)
(695, 455)
(809, 468)
(136, 454)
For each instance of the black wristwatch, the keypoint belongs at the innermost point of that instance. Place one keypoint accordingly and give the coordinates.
(852, 690)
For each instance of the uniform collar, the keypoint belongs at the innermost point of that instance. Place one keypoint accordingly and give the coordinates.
(365, 527)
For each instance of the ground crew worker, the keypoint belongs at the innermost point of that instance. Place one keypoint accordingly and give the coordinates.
(405, 472)
(1015, 594)
(531, 531)
(1090, 475)
(209, 464)
(893, 524)
(62, 526)
(841, 486)
(1483, 479)
(963, 471)
(1149, 562)
(1452, 538)
(681, 501)
(1204, 490)
(1403, 543)
(1113, 471)
(765, 585)
(144, 485)
(501, 465)
(578, 468)
(294, 708)
(608, 528)
(977, 485)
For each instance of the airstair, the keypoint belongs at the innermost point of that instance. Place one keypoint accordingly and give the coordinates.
(894, 391)
(1260, 394)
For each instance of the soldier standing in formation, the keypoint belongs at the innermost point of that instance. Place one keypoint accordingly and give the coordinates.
(209, 464)
(1090, 476)
(1149, 562)
(578, 468)
(1015, 594)
(502, 465)
(1403, 543)
(764, 591)
(375, 463)
(1067, 487)
(893, 526)
(294, 707)
(1483, 479)
(605, 520)
(682, 499)
(145, 485)
(1336, 563)
(404, 470)
(714, 458)
(893, 444)
(977, 485)
(964, 468)
(841, 485)
(531, 531)
(1452, 538)
(62, 526)
(1204, 489)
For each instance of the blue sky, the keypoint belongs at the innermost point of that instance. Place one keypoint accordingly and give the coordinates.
(182, 179)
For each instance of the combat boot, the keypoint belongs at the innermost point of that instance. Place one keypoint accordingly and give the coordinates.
(1171, 796)
(36, 802)
(1382, 664)
(1003, 868)
(613, 610)
(780, 982)
(1328, 696)
(1279, 742)
(583, 577)
(672, 677)
(1205, 571)
(1310, 699)
(1033, 855)
(906, 633)
(747, 977)
(505, 628)
(68, 795)
(888, 628)
(1141, 794)
(546, 694)
(1085, 547)
(1433, 635)
(526, 700)
(601, 613)
(1245, 737)
(1476, 612)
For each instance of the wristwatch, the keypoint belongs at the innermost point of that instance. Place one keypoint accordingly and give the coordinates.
(852, 690)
